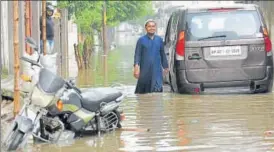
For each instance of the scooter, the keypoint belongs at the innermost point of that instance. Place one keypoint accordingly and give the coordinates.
(59, 106)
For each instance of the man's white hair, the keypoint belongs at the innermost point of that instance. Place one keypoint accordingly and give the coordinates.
(150, 20)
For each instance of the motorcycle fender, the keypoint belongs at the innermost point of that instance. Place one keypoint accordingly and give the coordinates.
(24, 124)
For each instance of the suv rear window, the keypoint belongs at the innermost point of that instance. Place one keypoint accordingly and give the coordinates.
(240, 24)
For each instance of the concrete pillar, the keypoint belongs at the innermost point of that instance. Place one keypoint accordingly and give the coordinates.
(35, 23)
(10, 37)
(25, 67)
(57, 46)
(64, 42)
(4, 36)
(22, 50)
(2, 45)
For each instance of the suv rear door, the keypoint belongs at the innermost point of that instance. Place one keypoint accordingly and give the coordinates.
(171, 37)
(224, 45)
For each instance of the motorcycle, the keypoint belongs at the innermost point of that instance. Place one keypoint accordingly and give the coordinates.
(60, 106)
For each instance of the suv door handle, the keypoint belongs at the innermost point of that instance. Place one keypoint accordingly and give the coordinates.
(194, 56)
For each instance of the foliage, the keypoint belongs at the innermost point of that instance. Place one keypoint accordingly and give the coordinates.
(5, 73)
(88, 14)
(120, 11)
(80, 47)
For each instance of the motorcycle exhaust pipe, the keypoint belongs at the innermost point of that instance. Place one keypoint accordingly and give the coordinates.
(109, 107)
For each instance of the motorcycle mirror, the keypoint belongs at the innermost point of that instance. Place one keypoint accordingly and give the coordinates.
(31, 42)
(72, 80)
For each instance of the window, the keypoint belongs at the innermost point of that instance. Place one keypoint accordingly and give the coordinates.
(234, 24)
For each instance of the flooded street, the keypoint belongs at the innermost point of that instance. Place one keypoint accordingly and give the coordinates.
(174, 122)
(213, 123)
(119, 66)
(219, 42)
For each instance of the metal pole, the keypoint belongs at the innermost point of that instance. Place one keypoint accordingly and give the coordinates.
(44, 27)
(2, 63)
(104, 28)
(16, 56)
(27, 23)
(105, 42)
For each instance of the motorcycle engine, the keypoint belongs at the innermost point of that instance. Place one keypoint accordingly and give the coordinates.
(51, 125)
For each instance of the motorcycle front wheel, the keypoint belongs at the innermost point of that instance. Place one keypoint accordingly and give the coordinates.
(16, 139)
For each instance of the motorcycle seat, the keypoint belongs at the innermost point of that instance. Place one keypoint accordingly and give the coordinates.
(92, 98)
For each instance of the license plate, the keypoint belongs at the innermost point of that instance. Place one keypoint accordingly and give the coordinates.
(226, 51)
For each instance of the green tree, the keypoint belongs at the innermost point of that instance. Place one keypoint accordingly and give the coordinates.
(88, 16)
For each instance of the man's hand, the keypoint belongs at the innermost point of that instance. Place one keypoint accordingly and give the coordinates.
(166, 71)
(136, 71)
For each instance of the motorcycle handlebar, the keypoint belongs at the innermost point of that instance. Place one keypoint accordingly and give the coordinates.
(70, 86)
(30, 61)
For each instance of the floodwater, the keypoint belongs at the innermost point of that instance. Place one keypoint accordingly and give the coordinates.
(173, 122)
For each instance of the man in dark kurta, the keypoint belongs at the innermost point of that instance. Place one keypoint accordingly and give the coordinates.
(149, 61)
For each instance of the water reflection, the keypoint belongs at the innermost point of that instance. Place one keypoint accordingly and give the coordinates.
(106, 70)
(105, 67)
(116, 67)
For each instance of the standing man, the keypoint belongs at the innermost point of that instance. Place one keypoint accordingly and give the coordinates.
(149, 61)
(49, 29)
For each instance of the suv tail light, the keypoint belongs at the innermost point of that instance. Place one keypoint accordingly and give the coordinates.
(267, 41)
(180, 46)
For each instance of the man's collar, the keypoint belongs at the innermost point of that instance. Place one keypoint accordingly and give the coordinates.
(150, 36)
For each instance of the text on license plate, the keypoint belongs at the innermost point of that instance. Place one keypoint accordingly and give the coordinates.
(226, 51)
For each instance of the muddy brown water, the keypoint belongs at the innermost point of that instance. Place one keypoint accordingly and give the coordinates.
(211, 123)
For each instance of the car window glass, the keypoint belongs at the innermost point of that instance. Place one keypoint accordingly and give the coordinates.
(235, 25)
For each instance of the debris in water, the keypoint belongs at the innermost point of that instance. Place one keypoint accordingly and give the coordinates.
(136, 129)
(194, 121)
(268, 133)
